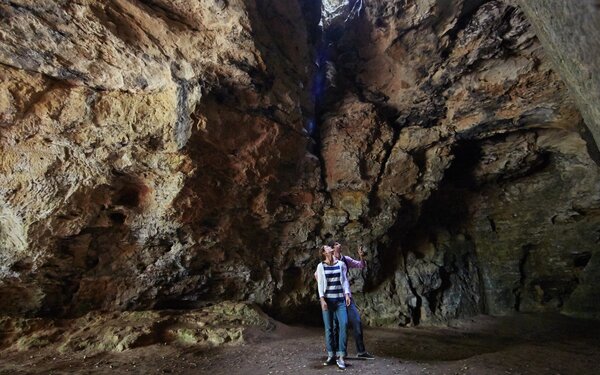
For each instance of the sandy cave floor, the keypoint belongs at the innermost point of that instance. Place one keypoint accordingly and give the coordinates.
(521, 344)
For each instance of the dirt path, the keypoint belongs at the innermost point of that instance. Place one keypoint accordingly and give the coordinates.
(523, 344)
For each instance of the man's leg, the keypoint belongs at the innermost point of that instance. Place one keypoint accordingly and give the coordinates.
(356, 324)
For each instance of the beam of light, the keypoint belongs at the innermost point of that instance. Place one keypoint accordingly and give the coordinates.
(333, 10)
(310, 127)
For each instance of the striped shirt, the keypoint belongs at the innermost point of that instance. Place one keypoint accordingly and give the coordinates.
(333, 276)
(350, 263)
(332, 280)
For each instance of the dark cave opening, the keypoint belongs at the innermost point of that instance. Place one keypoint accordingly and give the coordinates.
(129, 196)
(117, 217)
(448, 206)
(445, 211)
(581, 260)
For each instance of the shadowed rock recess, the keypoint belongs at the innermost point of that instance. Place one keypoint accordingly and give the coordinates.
(163, 154)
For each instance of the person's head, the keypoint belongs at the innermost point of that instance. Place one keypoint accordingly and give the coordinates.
(327, 252)
(337, 248)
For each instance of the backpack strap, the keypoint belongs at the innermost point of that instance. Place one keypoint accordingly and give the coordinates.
(345, 262)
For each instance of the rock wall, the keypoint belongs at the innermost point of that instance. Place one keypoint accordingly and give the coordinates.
(567, 31)
(535, 235)
(146, 149)
(471, 122)
(166, 154)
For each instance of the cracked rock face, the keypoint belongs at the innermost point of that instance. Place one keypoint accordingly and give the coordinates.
(146, 147)
(481, 126)
(168, 154)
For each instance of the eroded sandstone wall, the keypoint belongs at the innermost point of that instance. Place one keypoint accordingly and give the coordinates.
(147, 148)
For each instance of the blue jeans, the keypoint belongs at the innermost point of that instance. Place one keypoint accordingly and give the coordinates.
(355, 322)
(336, 312)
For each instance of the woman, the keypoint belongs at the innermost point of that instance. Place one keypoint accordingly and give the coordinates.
(334, 293)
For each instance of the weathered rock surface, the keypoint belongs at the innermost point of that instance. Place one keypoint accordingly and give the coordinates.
(221, 324)
(159, 154)
(147, 147)
(475, 111)
(567, 31)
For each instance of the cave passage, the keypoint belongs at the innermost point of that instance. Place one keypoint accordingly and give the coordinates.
(170, 172)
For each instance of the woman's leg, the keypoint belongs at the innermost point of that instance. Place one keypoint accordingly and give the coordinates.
(336, 335)
(342, 318)
(328, 322)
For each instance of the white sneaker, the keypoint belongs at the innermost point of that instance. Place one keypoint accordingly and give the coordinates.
(330, 361)
(340, 363)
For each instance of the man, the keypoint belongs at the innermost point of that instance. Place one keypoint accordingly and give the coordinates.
(353, 314)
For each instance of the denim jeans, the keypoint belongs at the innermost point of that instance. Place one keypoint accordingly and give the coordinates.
(336, 312)
(356, 324)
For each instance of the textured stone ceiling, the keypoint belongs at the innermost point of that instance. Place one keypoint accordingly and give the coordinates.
(171, 154)
(567, 30)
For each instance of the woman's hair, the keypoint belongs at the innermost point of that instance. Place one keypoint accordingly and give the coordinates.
(331, 243)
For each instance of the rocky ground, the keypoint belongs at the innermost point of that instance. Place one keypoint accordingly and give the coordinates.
(520, 344)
